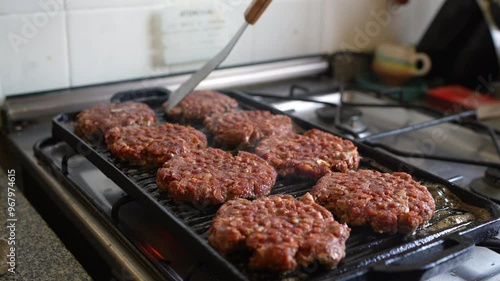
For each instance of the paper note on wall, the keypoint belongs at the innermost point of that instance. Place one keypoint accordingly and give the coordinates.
(192, 32)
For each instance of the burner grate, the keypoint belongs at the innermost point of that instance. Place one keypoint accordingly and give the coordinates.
(463, 118)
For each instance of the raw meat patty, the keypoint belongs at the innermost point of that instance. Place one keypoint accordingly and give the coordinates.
(94, 123)
(245, 127)
(152, 146)
(200, 104)
(212, 176)
(389, 203)
(311, 155)
(281, 231)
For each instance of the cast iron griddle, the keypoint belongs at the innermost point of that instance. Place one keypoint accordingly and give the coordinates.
(462, 218)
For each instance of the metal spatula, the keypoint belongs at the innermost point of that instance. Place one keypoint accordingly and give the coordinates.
(252, 14)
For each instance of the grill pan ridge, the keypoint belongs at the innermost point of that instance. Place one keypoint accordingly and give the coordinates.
(369, 256)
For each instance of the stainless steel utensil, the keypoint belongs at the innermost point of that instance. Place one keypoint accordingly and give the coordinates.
(252, 14)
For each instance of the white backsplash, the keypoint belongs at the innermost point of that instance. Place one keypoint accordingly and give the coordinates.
(109, 44)
(33, 57)
(56, 44)
(30, 6)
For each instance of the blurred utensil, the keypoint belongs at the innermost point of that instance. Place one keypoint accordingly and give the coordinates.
(252, 14)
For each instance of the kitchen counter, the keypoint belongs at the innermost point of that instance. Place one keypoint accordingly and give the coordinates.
(40, 255)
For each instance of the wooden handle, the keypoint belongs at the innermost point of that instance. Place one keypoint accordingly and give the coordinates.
(255, 10)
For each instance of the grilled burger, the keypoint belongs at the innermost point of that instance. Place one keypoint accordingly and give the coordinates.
(389, 203)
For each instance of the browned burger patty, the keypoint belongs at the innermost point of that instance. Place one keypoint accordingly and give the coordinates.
(281, 231)
(311, 155)
(389, 203)
(94, 123)
(212, 176)
(200, 104)
(152, 146)
(245, 127)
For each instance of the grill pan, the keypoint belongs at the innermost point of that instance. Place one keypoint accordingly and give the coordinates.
(442, 244)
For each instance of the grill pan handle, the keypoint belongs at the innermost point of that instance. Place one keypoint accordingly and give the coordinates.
(426, 261)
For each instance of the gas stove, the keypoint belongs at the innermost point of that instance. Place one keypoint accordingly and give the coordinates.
(452, 147)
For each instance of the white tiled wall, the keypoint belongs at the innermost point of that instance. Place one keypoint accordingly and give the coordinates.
(30, 6)
(33, 57)
(102, 4)
(54, 44)
(109, 44)
(355, 28)
(289, 29)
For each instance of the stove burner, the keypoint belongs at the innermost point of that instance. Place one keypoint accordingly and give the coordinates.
(328, 113)
(350, 118)
(492, 176)
(489, 185)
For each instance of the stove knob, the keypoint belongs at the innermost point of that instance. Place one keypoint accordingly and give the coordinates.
(492, 176)
(357, 124)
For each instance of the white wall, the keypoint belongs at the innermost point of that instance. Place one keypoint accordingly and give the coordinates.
(54, 44)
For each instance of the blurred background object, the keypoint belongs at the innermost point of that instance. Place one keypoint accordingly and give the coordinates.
(395, 64)
(460, 45)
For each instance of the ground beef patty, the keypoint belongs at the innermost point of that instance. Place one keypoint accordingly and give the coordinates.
(311, 155)
(94, 123)
(281, 231)
(200, 104)
(389, 203)
(212, 176)
(152, 146)
(245, 127)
